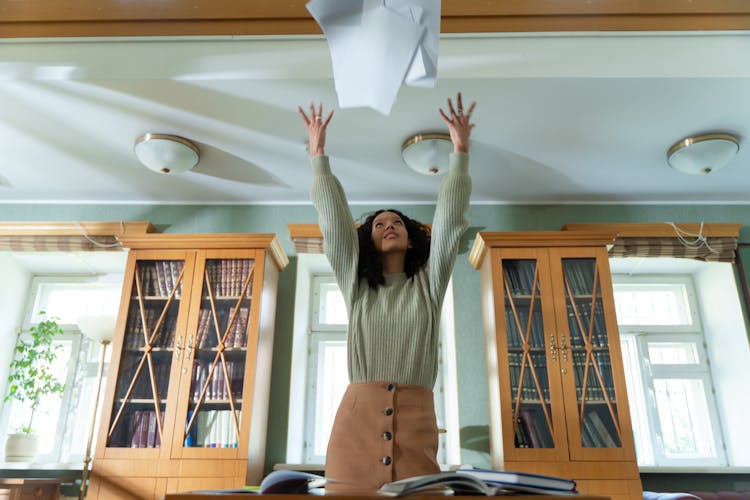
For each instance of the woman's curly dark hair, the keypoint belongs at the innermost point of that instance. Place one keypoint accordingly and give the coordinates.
(370, 267)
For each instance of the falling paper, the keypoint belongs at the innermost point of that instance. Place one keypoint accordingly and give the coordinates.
(378, 45)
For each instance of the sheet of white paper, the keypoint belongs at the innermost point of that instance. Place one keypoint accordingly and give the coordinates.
(423, 71)
(375, 48)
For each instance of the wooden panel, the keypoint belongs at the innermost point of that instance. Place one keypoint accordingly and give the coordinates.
(616, 490)
(175, 241)
(532, 239)
(28, 489)
(578, 470)
(210, 468)
(124, 488)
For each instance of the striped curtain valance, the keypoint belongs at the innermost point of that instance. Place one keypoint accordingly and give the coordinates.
(308, 245)
(67, 236)
(57, 243)
(706, 241)
(709, 250)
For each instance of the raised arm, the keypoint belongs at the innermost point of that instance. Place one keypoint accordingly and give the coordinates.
(340, 241)
(450, 221)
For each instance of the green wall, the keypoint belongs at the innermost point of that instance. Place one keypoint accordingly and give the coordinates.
(469, 342)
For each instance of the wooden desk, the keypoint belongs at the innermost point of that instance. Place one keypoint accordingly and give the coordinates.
(195, 496)
(29, 489)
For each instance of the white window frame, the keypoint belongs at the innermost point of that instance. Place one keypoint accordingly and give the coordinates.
(312, 267)
(75, 408)
(635, 340)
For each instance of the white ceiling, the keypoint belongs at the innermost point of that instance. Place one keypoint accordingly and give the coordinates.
(560, 118)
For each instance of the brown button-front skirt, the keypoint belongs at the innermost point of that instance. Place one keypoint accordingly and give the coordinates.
(383, 432)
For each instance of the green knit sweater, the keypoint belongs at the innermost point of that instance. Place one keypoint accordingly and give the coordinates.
(393, 329)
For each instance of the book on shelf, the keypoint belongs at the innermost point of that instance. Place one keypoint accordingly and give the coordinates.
(483, 482)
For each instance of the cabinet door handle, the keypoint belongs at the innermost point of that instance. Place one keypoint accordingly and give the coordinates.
(178, 349)
(189, 348)
(553, 347)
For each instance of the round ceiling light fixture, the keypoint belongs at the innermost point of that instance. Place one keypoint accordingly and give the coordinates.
(427, 152)
(703, 154)
(166, 154)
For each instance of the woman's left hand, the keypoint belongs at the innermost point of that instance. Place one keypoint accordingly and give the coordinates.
(459, 123)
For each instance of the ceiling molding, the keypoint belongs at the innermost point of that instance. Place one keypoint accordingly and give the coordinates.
(96, 18)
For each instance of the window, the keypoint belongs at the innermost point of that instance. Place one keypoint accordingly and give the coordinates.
(63, 437)
(327, 369)
(319, 367)
(668, 375)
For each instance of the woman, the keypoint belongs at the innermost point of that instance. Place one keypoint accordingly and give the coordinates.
(393, 274)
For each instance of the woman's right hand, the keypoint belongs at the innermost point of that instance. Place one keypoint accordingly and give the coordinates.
(316, 128)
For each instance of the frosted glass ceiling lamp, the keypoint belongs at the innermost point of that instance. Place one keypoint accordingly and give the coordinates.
(166, 154)
(427, 152)
(703, 154)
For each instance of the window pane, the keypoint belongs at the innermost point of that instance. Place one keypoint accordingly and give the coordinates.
(46, 416)
(332, 380)
(69, 301)
(673, 353)
(331, 306)
(651, 304)
(636, 399)
(683, 415)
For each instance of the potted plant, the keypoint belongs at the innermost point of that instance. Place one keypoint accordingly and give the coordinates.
(30, 380)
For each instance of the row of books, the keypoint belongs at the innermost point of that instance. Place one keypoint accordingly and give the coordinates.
(135, 338)
(594, 389)
(528, 386)
(519, 276)
(144, 429)
(213, 429)
(579, 275)
(599, 333)
(236, 336)
(216, 387)
(159, 277)
(531, 429)
(228, 276)
(535, 333)
(599, 431)
(142, 388)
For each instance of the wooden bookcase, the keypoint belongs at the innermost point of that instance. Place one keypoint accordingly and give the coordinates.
(186, 401)
(558, 399)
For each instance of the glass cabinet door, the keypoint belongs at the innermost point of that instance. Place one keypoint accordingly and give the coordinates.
(527, 355)
(596, 404)
(218, 350)
(137, 417)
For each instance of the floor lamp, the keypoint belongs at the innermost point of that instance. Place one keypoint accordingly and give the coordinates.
(98, 329)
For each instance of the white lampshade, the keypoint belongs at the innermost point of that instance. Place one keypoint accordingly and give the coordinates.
(98, 327)
(703, 154)
(427, 153)
(166, 154)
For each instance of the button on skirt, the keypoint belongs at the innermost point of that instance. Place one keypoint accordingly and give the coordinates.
(382, 432)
